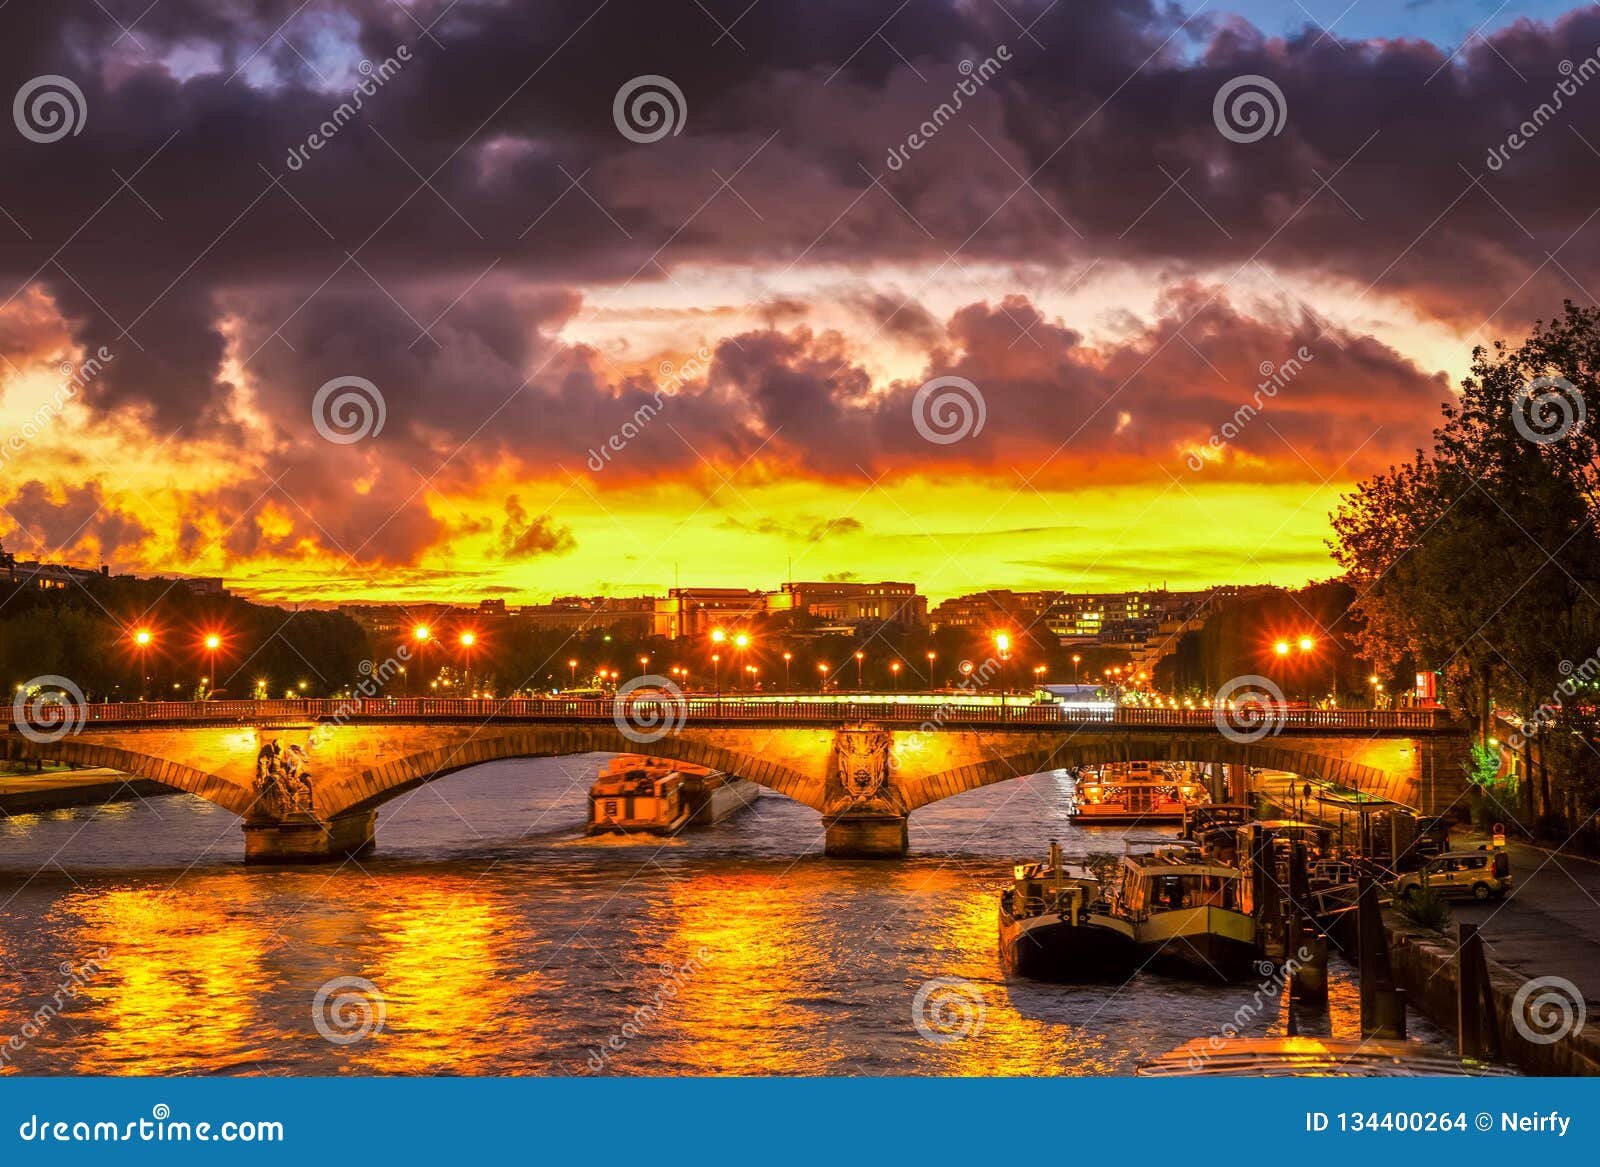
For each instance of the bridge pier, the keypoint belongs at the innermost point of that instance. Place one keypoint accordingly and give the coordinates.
(306, 839)
(865, 836)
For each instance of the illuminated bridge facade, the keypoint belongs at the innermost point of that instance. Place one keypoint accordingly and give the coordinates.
(864, 765)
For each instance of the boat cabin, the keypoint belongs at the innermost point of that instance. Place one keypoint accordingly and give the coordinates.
(635, 800)
(1171, 882)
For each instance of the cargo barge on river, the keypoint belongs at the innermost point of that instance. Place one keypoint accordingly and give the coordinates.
(652, 796)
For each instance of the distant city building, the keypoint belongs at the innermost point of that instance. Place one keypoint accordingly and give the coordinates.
(44, 575)
(630, 615)
(688, 612)
(200, 585)
(1145, 624)
(846, 602)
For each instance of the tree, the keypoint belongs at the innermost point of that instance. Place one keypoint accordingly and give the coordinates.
(1481, 557)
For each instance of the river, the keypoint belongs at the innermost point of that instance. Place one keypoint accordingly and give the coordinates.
(498, 940)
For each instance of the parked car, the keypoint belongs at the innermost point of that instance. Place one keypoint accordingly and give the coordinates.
(1480, 875)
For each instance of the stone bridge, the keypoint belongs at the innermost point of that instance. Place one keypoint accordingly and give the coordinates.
(864, 766)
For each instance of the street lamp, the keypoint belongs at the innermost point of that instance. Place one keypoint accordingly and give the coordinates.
(787, 657)
(421, 634)
(931, 657)
(823, 669)
(213, 642)
(741, 642)
(716, 671)
(142, 639)
(860, 656)
(1002, 644)
(894, 671)
(1075, 659)
(572, 671)
(468, 641)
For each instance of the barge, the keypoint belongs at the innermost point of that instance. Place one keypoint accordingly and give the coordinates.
(1053, 926)
(639, 795)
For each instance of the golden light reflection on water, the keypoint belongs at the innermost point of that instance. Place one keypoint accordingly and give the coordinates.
(747, 1008)
(450, 990)
(181, 980)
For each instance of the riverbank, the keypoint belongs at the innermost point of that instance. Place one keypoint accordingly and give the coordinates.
(1545, 1035)
(28, 792)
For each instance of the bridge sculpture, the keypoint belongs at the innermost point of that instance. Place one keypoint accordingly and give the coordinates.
(307, 777)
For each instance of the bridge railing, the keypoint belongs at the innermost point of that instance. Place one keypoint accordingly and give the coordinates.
(932, 713)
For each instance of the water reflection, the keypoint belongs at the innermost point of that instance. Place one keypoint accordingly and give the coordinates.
(733, 951)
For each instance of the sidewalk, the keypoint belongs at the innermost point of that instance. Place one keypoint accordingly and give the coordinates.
(1550, 923)
(27, 792)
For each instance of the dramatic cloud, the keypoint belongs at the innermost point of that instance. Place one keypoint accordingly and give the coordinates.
(564, 325)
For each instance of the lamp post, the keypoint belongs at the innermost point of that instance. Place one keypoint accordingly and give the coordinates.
(213, 642)
(468, 641)
(141, 640)
(931, 657)
(740, 643)
(787, 657)
(823, 685)
(1075, 659)
(894, 672)
(1304, 644)
(860, 656)
(716, 672)
(572, 672)
(421, 634)
(1002, 644)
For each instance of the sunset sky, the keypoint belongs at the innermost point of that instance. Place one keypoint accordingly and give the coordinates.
(1089, 241)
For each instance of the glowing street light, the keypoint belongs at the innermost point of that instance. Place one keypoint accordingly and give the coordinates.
(142, 639)
(572, 672)
(823, 669)
(1281, 648)
(894, 671)
(1307, 644)
(716, 672)
(787, 657)
(212, 643)
(1002, 644)
(860, 656)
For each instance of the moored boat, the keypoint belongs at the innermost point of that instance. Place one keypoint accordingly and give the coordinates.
(1052, 925)
(1188, 914)
(1135, 792)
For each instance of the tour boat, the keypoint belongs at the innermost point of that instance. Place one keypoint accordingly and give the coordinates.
(1052, 925)
(1189, 914)
(635, 794)
(1135, 792)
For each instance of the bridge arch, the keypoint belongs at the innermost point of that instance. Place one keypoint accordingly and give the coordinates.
(73, 752)
(1271, 755)
(371, 788)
